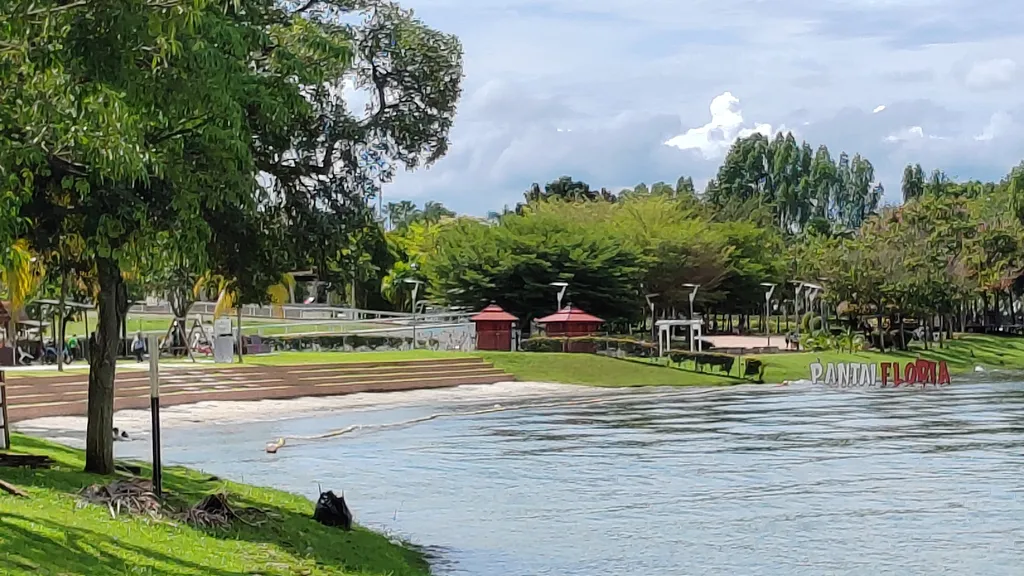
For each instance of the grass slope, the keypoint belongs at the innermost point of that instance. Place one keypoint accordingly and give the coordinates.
(595, 370)
(961, 355)
(48, 534)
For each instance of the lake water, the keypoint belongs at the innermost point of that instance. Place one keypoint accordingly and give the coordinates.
(738, 481)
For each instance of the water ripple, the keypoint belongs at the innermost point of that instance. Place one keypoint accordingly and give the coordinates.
(747, 480)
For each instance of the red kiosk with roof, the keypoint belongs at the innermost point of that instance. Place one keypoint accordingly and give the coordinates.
(494, 328)
(570, 322)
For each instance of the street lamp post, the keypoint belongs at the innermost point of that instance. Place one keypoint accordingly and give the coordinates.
(813, 291)
(561, 293)
(415, 289)
(823, 305)
(796, 308)
(768, 310)
(692, 295)
(650, 302)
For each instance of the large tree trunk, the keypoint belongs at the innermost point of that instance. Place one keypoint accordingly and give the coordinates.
(99, 441)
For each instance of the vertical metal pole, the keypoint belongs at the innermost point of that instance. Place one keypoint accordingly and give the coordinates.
(154, 408)
(654, 329)
(240, 341)
(3, 412)
(88, 339)
(796, 312)
(415, 290)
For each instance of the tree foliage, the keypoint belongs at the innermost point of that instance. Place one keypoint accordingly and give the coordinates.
(208, 137)
(610, 253)
(799, 184)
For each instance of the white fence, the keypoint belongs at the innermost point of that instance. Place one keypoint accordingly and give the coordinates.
(434, 329)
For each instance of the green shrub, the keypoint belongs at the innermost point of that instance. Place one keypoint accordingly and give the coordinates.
(543, 344)
(635, 348)
(336, 342)
(754, 367)
(725, 362)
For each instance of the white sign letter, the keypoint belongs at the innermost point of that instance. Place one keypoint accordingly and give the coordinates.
(815, 372)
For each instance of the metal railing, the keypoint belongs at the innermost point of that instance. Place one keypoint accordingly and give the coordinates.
(301, 312)
(366, 326)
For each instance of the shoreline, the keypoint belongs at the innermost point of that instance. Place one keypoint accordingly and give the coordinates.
(70, 430)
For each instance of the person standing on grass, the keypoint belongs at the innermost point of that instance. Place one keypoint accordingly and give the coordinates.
(138, 347)
(73, 347)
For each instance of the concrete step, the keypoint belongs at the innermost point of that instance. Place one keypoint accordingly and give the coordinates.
(47, 385)
(75, 391)
(241, 371)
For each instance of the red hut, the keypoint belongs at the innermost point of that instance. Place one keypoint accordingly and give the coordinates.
(494, 328)
(570, 322)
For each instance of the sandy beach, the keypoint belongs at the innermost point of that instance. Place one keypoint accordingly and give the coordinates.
(70, 430)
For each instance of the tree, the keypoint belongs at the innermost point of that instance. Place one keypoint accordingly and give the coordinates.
(434, 212)
(566, 189)
(913, 183)
(796, 183)
(161, 115)
(400, 214)
(512, 263)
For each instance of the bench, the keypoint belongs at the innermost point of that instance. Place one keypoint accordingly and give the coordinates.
(255, 345)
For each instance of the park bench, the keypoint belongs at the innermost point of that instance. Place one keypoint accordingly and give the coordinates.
(256, 345)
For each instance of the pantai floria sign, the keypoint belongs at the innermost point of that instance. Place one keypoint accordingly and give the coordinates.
(882, 375)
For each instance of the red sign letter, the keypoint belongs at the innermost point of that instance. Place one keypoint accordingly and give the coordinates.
(943, 373)
(910, 373)
(925, 371)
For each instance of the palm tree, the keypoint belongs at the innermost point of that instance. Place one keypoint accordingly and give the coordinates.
(227, 293)
(434, 212)
(21, 276)
(400, 214)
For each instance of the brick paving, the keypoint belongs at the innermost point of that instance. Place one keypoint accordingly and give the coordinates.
(41, 396)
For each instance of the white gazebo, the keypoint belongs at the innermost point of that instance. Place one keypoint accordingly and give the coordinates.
(667, 327)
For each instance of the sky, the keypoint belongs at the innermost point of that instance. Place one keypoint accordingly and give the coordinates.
(617, 92)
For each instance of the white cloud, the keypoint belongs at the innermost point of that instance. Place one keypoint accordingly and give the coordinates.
(997, 126)
(991, 74)
(906, 134)
(532, 69)
(713, 139)
(878, 109)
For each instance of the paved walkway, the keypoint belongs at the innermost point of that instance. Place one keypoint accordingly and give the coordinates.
(746, 341)
(37, 396)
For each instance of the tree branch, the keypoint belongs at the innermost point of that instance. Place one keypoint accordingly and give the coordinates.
(54, 10)
(187, 127)
(307, 6)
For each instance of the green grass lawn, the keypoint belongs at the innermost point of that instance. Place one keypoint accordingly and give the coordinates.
(47, 534)
(596, 370)
(961, 355)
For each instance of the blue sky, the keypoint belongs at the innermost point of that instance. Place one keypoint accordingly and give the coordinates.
(615, 92)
